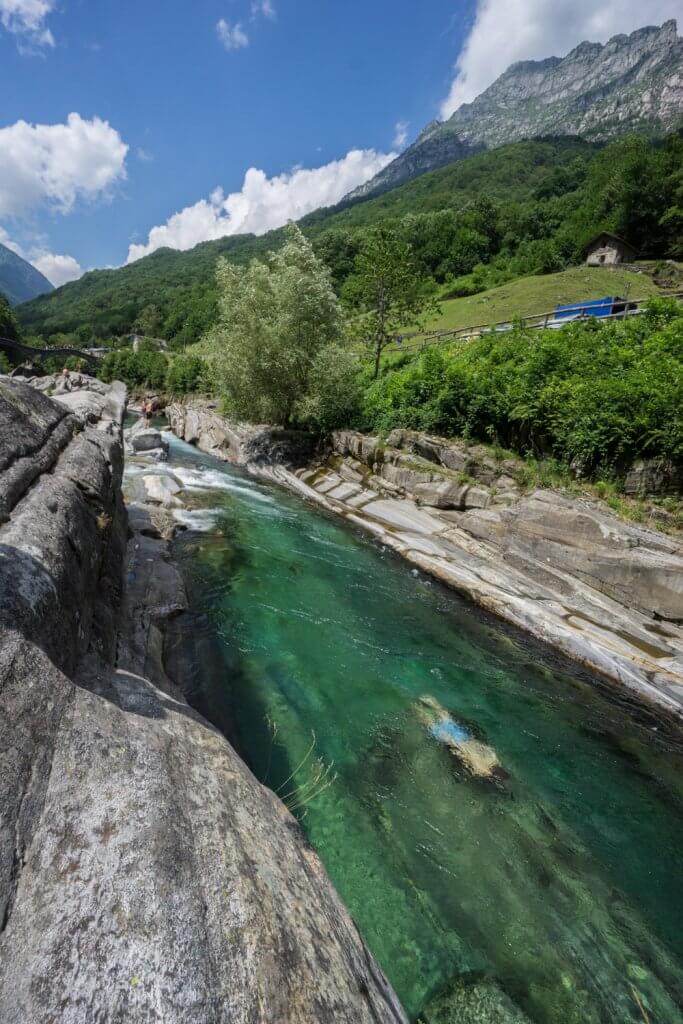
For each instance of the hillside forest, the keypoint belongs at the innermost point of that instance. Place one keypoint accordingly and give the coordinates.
(295, 327)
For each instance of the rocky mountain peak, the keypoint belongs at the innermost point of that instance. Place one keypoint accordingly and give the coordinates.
(598, 90)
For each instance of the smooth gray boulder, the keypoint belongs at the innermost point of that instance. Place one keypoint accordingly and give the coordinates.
(145, 874)
(145, 439)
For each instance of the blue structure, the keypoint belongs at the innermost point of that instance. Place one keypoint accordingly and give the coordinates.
(591, 307)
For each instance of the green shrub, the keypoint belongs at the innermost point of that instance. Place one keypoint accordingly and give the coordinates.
(602, 394)
(136, 369)
(187, 374)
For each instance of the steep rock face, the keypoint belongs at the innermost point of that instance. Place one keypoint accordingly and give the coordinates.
(145, 875)
(597, 91)
(200, 424)
(433, 148)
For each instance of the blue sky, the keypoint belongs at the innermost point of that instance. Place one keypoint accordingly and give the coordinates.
(202, 92)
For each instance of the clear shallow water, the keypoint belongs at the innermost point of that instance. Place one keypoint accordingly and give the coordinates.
(562, 885)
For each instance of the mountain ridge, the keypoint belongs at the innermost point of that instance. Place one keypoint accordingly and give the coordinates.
(597, 91)
(19, 280)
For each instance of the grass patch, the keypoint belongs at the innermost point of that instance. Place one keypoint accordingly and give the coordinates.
(531, 295)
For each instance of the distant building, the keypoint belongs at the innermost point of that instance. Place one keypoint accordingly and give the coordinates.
(606, 250)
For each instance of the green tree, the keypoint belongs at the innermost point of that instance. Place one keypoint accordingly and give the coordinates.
(9, 328)
(386, 291)
(274, 320)
(149, 322)
(335, 389)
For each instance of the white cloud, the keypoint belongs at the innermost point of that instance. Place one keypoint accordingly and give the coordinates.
(26, 20)
(400, 134)
(10, 243)
(58, 269)
(233, 37)
(263, 7)
(144, 155)
(58, 163)
(505, 32)
(264, 203)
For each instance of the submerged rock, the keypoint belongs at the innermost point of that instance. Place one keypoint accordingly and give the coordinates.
(467, 1001)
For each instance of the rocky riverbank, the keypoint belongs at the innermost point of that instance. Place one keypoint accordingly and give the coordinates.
(607, 593)
(145, 875)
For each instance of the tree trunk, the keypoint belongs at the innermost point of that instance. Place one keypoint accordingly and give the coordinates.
(380, 337)
(378, 356)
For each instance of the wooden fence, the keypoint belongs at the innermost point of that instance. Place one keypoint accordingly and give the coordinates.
(554, 318)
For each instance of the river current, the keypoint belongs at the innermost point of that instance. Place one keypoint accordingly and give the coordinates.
(342, 675)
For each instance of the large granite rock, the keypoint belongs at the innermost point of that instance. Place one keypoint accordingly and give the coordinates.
(145, 875)
(199, 423)
(654, 476)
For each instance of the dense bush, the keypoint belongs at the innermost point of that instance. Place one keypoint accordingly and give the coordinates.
(136, 369)
(9, 328)
(602, 394)
(177, 374)
(278, 342)
(187, 374)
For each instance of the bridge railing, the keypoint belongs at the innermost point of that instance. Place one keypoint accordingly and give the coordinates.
(27, 352)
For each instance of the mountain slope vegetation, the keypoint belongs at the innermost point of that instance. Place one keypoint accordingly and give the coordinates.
(526, 208)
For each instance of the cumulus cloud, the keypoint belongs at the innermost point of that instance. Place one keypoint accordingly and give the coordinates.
(58, 269)
(233, 37)
(26, 20)
(264, 203)
(400, 134)
(505, 32)
(58, 163)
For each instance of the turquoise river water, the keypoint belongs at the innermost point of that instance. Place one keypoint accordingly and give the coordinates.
(559, 884)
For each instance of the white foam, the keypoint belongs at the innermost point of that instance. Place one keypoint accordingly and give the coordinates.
(203, 520)
(213, 480)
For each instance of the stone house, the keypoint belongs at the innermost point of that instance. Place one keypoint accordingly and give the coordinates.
(608, 250)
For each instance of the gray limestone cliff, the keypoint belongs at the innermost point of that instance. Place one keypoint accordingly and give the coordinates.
(145, 874)
(633, 82)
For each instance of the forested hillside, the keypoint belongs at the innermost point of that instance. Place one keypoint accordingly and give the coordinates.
(521, 209)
